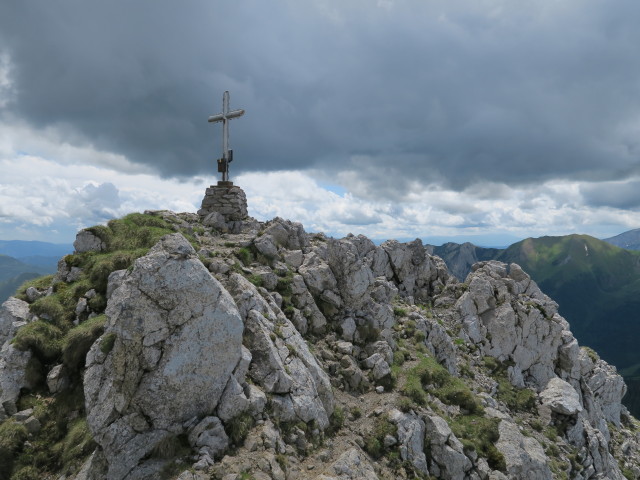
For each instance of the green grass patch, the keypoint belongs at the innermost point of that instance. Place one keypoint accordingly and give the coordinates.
(336, 421)
(78, 442)
(400, 311)
(78, 340)
(12, 438)
(517, 399)
(480, 434)
(429, 374)
(106, 345)
(256, 280)
(245, 256)
(40, 283)
(42, 338)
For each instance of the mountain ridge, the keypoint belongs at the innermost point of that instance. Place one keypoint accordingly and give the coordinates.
(353, 361)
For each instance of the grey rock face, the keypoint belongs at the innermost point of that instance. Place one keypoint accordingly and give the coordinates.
(287, 234)
(13, 367)
(411, 431)
(14, 314)
(527, 332)
(172, 340)
(449, 460)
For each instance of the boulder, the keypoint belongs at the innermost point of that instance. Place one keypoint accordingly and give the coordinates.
(448, 459)
(13, 314)
(87, 241)
(172, 340)
(561, 397)
(524, 456)
(13, 368)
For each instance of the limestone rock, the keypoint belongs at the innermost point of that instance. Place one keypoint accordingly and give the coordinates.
(266, 246)
(13, 314)
(287, 234)
(217, 221)
(524, 456)
(13, 368)
(449, 460)
(352, 465)
(281, 361)
(57, 380)
(209, 437)
(411, 432)
(172, 340)
(561, 397)
(87, 241)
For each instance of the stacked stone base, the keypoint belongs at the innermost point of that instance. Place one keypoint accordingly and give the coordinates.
(224, 207)
(229, 201)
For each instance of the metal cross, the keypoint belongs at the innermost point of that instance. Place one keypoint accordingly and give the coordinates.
(224, 117)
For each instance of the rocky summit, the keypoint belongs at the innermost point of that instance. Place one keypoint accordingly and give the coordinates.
(186, 346)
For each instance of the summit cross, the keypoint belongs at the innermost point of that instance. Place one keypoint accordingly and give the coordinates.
(224, 117)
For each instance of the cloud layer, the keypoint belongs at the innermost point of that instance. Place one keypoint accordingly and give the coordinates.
(446, 110)
(454, 92)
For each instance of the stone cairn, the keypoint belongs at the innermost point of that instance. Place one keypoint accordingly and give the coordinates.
(226, 199)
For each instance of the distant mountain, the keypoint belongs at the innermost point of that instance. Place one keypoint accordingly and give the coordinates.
(14, 272)
(460, 257)
(629, 240)
(21, 249)
(9, 287)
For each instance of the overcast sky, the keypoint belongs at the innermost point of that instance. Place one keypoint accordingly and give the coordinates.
(480, 120)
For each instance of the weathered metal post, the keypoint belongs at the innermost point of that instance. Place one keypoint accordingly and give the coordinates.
(227, 155)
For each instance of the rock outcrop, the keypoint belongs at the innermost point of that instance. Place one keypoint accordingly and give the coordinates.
(173, 339)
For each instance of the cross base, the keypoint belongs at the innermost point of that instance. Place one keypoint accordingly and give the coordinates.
(224, 183)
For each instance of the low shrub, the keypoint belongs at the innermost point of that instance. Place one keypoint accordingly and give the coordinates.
(399, 311)
(374, 440)
(171, 446)
(335, 421)
(245, 256)
(238, 428)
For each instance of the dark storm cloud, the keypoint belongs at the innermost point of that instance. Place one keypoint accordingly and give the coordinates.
(624, 195)
(455, 92)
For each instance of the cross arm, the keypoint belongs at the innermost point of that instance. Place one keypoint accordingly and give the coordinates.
(221, 116)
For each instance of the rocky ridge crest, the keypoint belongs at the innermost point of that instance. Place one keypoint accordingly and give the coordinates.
(271, 353)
